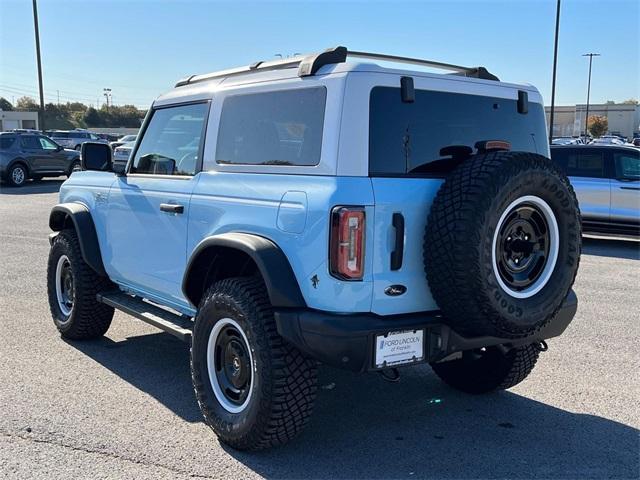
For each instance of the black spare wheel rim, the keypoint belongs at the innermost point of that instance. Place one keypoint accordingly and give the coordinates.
(230, 365)
(525, 246)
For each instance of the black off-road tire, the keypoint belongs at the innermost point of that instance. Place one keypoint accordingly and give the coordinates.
(458, 243)
(88, 318)
(285, 381)
(485, 371)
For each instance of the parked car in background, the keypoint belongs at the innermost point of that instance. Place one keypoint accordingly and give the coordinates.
(607, 140)
(122, 141)
(567, 141)
(636, 142)
(28, 155)
(607, 182)
(74, 138)
(121, 154)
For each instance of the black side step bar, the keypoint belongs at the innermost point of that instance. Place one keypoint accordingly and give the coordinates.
(172, 323)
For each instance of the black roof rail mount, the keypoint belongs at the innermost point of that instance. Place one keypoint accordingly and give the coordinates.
(309, 65)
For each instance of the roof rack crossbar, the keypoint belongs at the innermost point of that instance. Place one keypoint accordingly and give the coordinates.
(476, 72)
(310, 64)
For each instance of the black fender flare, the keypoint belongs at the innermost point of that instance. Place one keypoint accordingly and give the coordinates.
(273, 265)
(77, 215)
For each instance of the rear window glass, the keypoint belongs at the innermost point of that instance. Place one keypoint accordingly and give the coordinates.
(6, 141)
(405, 136)
(272, 128)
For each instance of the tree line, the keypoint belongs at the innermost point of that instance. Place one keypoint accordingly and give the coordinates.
(71, 115)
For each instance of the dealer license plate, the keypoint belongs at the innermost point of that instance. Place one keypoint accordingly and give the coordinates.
(397, 348)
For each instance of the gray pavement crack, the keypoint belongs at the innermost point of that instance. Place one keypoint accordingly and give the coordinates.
(115, 456)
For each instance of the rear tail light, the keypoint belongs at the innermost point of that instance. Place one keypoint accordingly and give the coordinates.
(346, 245)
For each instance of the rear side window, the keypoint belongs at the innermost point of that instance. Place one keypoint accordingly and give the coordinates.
(627, 165)
(272, 128)
(585, 164)
(172, 141)
(6, 141)
(406, 136)
(30, 143)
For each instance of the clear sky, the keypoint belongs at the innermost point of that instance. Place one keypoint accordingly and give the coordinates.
(140, 48)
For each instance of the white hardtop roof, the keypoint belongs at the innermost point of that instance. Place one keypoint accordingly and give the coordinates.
(203, 86)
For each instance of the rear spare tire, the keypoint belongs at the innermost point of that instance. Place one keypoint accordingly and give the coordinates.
(502, 244)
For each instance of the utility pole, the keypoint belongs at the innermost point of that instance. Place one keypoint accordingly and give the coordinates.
(586, 119)
(553, 82)
(37, 31)
(58, 91)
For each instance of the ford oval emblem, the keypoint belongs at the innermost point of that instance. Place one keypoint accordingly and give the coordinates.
(395, 290)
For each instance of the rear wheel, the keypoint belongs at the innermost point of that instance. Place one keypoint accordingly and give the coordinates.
(486, 369)
(75, 167)
(502, 244)
(254, 389)
(17, 175)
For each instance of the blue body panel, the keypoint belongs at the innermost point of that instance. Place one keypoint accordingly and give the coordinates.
(411, 197)
(276, 207)
(146, 251)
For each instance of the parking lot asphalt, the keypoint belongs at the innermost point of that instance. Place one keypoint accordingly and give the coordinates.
(123, 406)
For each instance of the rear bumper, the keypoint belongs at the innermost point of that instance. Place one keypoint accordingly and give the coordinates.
(347, 341)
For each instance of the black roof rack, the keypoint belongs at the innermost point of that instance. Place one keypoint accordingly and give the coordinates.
(309, 65)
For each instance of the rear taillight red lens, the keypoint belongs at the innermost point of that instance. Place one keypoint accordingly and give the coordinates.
(346, 250)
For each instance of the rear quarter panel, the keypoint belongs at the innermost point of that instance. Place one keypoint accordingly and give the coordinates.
(273, 206)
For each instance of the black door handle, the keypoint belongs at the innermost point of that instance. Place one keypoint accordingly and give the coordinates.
(630, 188)
(171, 208)
(398, 251)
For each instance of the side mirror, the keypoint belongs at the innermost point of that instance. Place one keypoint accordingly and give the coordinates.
(59, 148)
(96, 156)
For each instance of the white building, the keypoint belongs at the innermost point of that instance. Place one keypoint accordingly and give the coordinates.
(624, 119)
(12, 120)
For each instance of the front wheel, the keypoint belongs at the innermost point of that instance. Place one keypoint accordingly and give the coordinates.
(254, 389)
(72, 286)
(487, 369)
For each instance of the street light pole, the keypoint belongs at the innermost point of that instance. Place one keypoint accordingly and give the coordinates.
(553, 82)
(37, 31)
(586, 119)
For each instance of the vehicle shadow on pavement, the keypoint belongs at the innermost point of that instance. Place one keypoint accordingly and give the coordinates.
(611, 247)
(41, 186)
(157, 364)
(364, 427)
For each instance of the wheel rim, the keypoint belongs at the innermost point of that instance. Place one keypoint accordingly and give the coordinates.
(76, 167)
(17, 175)
(525, 246)
(230, 365)
(65, 289)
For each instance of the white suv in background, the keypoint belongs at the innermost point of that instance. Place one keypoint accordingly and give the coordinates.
(74, 138)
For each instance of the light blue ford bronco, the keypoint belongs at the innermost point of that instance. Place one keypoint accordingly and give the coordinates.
(317, 210)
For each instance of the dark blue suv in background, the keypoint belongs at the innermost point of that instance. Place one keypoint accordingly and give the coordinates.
(31, 155)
